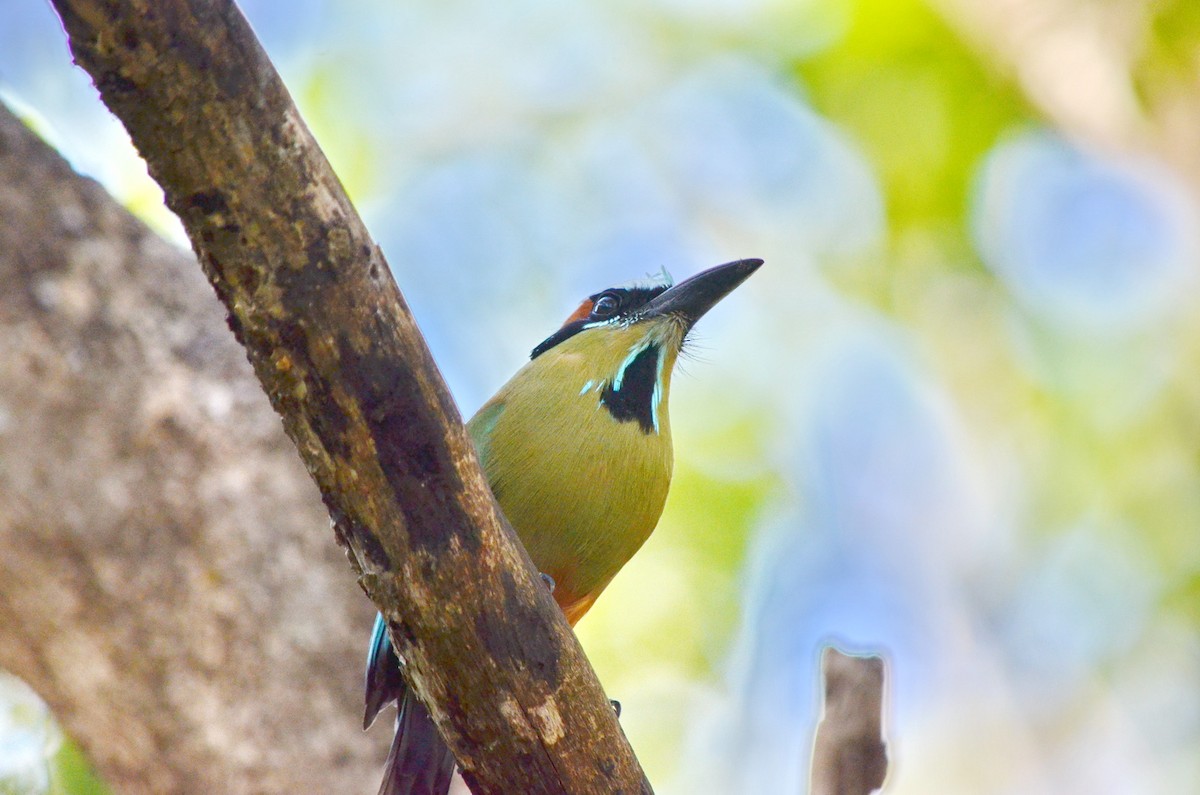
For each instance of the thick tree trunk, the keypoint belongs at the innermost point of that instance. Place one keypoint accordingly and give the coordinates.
(167, 581)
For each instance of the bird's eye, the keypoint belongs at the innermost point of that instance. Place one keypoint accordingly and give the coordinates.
(605, 306)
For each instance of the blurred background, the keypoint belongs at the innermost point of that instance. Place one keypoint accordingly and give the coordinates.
(955, 419)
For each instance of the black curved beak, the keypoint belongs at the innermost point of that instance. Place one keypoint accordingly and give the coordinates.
(691, 298)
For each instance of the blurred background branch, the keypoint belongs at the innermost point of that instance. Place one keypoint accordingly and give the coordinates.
(849, 754)
(1112, 74)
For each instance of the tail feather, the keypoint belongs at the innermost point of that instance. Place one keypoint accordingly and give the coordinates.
(419, 762)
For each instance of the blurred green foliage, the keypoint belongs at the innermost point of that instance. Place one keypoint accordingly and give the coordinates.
(72, 775)
(923, 105)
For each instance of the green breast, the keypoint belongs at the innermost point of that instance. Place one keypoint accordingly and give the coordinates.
(582, 489)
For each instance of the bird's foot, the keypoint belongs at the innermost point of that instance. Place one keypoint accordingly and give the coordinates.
(616, 705)
(546, 578)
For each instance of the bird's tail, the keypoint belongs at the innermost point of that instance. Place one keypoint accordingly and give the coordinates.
(419, 762)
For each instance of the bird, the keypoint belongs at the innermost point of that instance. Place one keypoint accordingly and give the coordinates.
(576, 448)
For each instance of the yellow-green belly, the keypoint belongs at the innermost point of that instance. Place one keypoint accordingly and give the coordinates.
(582, 490)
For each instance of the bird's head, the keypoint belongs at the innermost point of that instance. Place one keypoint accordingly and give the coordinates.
(624, 341)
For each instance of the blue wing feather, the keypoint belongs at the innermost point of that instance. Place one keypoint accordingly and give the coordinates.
(385, 683)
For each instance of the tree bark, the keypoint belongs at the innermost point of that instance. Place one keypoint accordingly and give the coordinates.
(311, 298)
(165, 581)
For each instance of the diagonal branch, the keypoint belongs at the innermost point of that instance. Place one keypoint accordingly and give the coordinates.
(311, 298)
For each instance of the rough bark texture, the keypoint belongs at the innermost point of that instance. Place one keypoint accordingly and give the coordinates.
(331, 340)
(166, 580)
(849, 754)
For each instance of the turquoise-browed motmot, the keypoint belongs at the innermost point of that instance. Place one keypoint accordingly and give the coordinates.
(577, 450)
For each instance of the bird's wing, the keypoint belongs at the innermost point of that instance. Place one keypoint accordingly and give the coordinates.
(385, 683)
(483, 423)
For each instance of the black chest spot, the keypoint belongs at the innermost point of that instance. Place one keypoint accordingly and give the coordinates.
(634, 400)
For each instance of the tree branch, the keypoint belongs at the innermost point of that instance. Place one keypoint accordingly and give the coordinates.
(311, 298)
(163, 585)
(849, 754)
